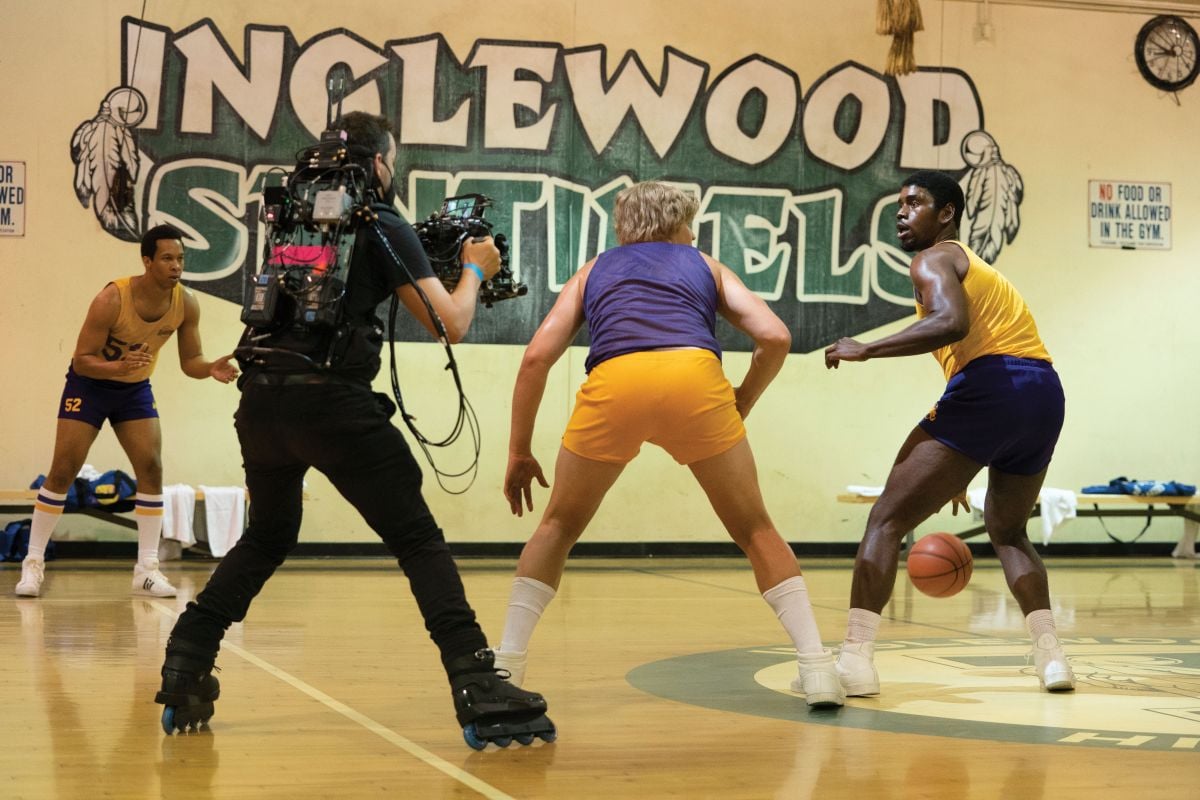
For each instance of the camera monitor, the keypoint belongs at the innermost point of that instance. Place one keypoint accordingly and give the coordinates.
(467, 206)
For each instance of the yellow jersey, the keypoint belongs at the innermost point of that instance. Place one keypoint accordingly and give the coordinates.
(1000, 321)
(132, 331)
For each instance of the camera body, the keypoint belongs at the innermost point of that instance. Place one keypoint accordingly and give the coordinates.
(442, 237)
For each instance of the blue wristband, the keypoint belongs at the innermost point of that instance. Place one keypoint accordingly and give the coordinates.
(475, 268)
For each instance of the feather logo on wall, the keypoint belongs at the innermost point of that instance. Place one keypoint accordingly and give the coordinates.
(106, 162)
(993, 192)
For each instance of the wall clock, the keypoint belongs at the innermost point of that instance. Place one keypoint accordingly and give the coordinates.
(1166, 51)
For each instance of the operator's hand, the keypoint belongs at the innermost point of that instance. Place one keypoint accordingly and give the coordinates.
(222, 370)
(483, 253)
(518, 481)
(960, 500)
(844, 349)
(135, 358)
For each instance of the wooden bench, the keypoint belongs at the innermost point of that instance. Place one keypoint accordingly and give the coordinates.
(1102, 505)
(21, 502)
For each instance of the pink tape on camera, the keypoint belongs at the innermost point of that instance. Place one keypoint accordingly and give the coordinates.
(319, 257)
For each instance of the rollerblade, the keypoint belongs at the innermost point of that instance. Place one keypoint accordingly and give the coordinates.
(491, 709)
(188, 688)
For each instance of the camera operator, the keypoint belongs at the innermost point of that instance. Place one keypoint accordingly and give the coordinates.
(294, 415)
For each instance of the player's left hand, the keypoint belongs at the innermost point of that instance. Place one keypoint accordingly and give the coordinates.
(518, 481)
(960, 500)
(844, 349)
(223, 370)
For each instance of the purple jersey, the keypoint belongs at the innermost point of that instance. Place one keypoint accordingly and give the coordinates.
(649, 296)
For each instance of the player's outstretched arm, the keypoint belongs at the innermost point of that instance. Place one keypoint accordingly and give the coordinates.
(98, 356)
(939, 290)
(191, 351)
(750, 314)
(549, 342)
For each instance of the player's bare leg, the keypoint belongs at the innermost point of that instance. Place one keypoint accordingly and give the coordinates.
(925, 477)
(579, 487)
(72, 441)
(1010, 499)
(142, 441)
(730, 479)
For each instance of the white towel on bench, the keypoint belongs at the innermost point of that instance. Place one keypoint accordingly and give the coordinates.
(225, 516)
(179, 512)
(1058, 507)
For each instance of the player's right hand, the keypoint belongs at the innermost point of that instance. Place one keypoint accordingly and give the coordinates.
(483, 253)
(518, 481)
(134, 359)
(844, 349)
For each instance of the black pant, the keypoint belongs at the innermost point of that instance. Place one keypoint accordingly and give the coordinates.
(343, 431)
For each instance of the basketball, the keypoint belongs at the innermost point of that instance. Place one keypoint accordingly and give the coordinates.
(939, 564)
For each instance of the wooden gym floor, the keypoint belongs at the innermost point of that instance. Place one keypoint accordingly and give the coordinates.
(666, 678)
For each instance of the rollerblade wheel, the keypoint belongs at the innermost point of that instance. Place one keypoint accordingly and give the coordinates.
(550, 735)
(524, 738)
(503, 741)
(168, 720)
(472, 738)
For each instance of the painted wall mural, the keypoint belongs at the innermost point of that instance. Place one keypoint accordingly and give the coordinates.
(797, 186)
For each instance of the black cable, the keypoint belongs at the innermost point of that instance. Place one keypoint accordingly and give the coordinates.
(466, 413)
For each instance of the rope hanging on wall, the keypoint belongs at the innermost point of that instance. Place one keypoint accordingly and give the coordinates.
(899, 19)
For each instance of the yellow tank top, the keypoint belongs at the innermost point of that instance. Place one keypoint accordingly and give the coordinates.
(131, 330)
(1000, 321)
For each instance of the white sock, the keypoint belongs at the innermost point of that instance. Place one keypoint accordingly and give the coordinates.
(148, 510)
(1039, 622)
(526, 604)
(789, 600)
(862, 626)
(47, 511)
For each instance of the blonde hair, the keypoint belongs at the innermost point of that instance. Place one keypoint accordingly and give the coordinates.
(651, 212)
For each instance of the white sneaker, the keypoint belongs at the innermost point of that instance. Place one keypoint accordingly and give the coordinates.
(818, 680)
(33, 572)
(514, 663)
(1053, 671)
(148, 580)
(856, 669)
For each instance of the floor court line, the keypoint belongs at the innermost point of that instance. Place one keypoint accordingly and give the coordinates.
(407, 745)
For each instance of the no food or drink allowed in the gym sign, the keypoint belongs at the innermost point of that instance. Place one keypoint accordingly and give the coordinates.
(1129, 215)
(12, 198)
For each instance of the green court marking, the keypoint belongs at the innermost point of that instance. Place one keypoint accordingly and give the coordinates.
(1151, 678)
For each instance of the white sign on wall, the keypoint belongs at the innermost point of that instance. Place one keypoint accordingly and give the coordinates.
(1129, 215)
(12, 198)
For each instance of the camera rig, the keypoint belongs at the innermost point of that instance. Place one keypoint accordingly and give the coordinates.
(442, 237)
(309, 240)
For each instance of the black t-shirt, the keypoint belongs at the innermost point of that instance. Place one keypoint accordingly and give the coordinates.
(374, 271)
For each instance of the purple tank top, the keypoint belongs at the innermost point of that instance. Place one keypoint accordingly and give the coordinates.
(649, 296)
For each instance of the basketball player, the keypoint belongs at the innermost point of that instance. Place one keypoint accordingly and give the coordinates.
(109, 379)
(1002, 408)
(654, 375)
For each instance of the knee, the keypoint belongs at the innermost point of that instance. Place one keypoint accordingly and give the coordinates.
(416, 539)
(274, 542)
(754, 534)
(558, 531)
(1003, 535)
(888, 526)
(148, 471)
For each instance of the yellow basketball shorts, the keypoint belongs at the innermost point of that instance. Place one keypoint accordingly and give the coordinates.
(679, 400)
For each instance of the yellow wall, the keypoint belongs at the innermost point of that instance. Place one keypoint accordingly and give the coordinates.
(1061, 95)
